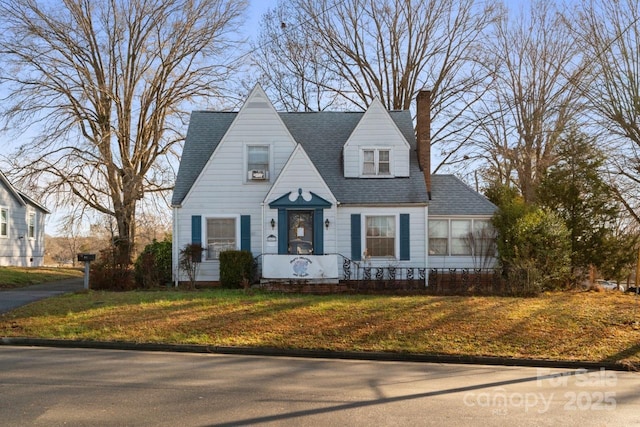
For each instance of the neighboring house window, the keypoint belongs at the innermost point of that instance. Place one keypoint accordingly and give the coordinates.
(438, 237)
(4, 222)
(221, 236)
(31, 225)
(376, 162)
(258, 162)
(380, 236)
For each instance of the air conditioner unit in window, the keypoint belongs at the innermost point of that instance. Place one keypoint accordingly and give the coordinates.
(258, 175)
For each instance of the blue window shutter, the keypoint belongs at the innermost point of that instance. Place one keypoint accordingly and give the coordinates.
(405, 238)
(282, 232)
(196, 229)
(245, 232)
(318, 232)
(356, 242)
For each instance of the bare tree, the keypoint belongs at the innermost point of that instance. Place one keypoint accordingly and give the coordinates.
(610, 37)
(348, 52)
(103, 86)
(532, 98)
(291, 62)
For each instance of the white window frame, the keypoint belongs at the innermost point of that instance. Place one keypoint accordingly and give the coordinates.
(31, 224)
(459, 242)
(450, 235)
(376, 162)
(205, 237)
(5, 222)
(247, 170)
(445, 238)
(396, 237)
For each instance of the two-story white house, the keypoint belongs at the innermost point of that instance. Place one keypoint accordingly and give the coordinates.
(305, 191)
(21, 227)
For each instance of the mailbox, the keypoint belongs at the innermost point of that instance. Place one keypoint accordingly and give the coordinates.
(86, 257)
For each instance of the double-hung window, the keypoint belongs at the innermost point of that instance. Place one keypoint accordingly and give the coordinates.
(381, 236)
(460, 237)
(221, 236)
(376, 162)
(31, 225)
(4, 222)
(484, 238)
(438, 237)
(258, 162)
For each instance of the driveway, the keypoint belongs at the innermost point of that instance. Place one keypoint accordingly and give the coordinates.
(14, 298)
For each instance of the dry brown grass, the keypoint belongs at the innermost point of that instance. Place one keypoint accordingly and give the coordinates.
(15, 277)
(585, 326)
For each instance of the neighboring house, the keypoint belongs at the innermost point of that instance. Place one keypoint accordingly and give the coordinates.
(21, 227)
(305, 191)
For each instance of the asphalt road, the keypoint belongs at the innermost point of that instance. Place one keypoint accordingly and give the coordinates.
(14, 298)
(41, 386)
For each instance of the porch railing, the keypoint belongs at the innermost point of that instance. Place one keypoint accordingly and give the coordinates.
(359, 276)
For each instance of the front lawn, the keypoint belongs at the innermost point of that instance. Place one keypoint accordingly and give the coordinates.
(15, 277)
(584, 326)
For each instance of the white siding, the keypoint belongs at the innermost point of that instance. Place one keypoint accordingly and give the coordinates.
(222, 187)
(17, 249)
(376, 129)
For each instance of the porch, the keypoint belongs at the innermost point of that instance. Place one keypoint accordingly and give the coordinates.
(336, 273)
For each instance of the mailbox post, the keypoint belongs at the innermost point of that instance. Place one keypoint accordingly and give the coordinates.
(86, 258)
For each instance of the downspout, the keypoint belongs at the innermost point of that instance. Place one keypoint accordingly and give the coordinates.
(426, 247)
(174, 248)
(262, 233)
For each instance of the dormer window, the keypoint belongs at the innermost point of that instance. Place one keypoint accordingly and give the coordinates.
(376, 162)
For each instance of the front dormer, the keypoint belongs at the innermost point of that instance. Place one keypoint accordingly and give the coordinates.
(376, 148)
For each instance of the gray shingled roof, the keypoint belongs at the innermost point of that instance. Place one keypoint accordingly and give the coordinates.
(322, 135)
(206, 129)
(451, 196)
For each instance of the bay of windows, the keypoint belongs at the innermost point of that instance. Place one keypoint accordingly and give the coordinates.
(464, 237)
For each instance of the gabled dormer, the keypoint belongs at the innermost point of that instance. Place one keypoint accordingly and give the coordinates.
(376, 148)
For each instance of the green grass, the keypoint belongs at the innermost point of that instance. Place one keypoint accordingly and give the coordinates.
(15, 277)
(584, 326)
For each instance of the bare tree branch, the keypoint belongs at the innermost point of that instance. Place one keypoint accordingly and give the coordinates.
(105, 85)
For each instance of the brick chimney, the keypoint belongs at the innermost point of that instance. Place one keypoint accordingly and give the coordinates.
(423, 135)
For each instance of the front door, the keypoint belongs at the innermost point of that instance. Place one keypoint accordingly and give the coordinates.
(300, 235)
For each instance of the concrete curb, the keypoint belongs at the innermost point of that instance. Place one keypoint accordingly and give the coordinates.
(323, 354)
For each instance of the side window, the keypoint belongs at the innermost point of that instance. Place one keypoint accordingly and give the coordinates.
(31, 225)
(257, 162)
(221, 236)
(4, 222)
(460, 237)
(381, 236)
(438, 237)
(484, 239)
